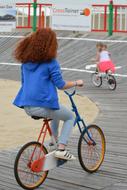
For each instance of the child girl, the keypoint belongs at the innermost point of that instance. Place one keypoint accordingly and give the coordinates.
(41, 75)
(104, 60)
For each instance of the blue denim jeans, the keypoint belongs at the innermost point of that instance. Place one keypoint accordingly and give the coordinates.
(63, 114)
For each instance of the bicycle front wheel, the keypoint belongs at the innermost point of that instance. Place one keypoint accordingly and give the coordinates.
(24, 175)
(91, 148)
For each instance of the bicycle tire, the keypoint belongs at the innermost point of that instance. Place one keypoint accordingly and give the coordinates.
(96, 80)
(85, 148)
(112, 82)
(23, 161)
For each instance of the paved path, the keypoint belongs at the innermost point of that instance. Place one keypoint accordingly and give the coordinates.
(112, 119)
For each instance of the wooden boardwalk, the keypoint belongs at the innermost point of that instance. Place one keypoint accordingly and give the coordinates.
(112, 119)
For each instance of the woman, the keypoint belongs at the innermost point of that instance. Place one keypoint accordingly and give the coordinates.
(41, 75)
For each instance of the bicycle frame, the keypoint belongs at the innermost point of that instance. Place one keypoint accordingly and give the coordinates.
(78, 118)
(46, 128)
(48, 161)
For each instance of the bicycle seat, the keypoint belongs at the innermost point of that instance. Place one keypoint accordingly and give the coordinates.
(37, 118)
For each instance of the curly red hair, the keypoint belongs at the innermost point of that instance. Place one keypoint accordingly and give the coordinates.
(38, 47)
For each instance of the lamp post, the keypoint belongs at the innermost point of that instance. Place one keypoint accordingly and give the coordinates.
(34, 15)
(110, 28)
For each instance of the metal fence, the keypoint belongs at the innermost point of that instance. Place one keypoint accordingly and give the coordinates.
(25, 15)
(100, 16)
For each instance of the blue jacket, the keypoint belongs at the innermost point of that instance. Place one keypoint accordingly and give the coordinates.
(39, 82)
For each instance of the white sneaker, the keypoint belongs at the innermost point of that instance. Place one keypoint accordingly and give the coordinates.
(64, 154)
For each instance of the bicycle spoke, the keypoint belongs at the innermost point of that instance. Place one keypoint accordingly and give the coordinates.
(91, 155)
(23, 172)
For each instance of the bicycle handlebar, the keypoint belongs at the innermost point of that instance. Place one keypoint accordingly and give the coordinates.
(70, 94)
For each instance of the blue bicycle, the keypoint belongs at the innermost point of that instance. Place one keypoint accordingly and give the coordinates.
(33, 160)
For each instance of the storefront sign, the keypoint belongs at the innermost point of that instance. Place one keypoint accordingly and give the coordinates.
(71, 17)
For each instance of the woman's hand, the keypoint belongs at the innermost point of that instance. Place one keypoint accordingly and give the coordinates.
(79, 83)
(70, 84)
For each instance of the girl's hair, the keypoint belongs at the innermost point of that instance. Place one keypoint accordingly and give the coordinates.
(105, 46)
(40, 46)
(99, 45)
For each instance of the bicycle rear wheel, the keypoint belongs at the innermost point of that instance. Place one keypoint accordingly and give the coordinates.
(91, 148)
(111, 82)
(96, 79)
(24, 175)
